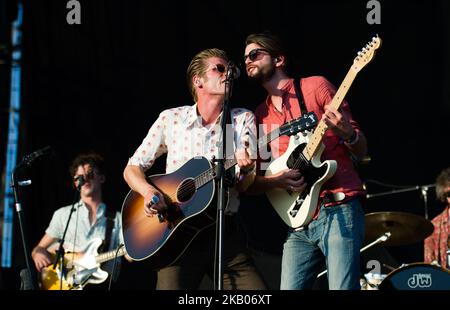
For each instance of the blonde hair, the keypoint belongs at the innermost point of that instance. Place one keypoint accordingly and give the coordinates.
(198, 66)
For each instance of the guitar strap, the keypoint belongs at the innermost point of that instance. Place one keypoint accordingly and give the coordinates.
(330, 197)
(304, 110)
(110, 215)
(299, 94)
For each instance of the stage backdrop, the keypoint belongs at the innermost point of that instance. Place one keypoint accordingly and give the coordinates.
(101, 84)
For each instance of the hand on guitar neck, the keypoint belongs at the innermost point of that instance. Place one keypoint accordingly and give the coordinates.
(340, 125)
(337, 122)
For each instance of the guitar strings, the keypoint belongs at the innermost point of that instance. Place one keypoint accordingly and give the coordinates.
(185, 189)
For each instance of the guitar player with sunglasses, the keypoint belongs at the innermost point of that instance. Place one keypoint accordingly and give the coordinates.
(191, 136)
(320, 202)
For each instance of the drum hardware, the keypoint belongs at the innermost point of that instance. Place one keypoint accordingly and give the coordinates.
(389, 267)
(401, 189)
(406, 228)
(371, 281)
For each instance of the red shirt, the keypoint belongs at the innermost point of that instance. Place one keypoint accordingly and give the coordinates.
(436, 244)
(317, 92)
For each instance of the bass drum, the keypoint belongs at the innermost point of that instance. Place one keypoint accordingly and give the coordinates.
(417, 276)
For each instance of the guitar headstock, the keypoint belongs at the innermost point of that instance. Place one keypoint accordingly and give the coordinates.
(366, 54)
(303, 123)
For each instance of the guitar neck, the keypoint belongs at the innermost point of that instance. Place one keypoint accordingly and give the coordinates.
(104, 257)
(210, 174)
(316, 138)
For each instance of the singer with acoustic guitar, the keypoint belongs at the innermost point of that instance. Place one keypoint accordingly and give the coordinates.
(191, 136)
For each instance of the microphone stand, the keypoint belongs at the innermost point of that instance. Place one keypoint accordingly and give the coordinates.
(60, 253)
(15, 186)
(27, 160)
(423, 189)
(424, 193)
(220, 177)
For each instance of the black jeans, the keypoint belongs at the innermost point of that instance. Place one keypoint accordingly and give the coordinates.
(239, 271)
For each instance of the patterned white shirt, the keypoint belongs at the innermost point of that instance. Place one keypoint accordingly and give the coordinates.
(179, 132)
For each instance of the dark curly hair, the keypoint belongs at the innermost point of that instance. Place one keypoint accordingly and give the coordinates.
(442, 182)
(93, 159)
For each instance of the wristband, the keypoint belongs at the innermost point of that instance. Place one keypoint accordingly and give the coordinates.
(248, 171)
(353, 138)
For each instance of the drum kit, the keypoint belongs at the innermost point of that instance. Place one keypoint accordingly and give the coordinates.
(396, 229)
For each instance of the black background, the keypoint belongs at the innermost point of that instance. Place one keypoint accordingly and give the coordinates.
(100, 85)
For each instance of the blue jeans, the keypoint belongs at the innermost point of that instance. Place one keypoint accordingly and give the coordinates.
(337, 235)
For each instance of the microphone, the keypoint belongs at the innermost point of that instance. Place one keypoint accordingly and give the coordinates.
(233, 71)
(81, 180)
(28, 159)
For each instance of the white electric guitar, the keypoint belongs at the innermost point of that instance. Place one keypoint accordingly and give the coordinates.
(84, 268)
(303, 153)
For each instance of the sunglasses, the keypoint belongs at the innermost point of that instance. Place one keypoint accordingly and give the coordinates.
(219, 68)
(255, 53)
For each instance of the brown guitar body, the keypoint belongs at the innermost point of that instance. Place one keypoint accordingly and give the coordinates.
(162, 242)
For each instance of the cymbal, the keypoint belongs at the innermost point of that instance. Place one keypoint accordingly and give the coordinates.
(405, 228)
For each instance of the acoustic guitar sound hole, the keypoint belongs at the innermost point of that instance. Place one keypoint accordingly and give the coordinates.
(186, 190)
